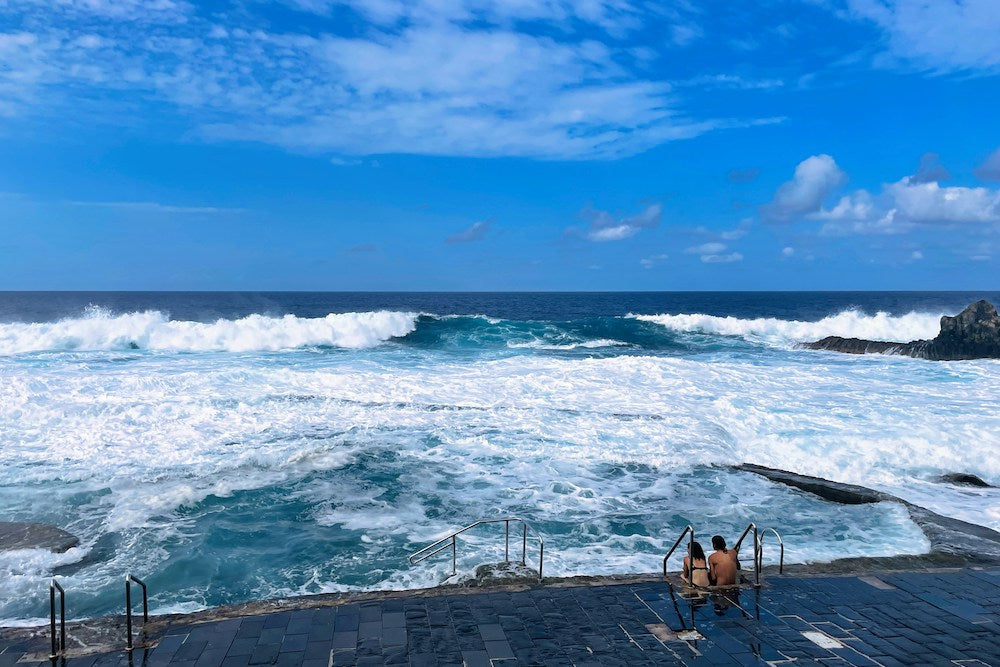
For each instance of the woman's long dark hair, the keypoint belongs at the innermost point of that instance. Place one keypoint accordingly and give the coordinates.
(697, 553)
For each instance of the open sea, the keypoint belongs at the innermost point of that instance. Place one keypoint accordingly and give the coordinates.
(237, 446)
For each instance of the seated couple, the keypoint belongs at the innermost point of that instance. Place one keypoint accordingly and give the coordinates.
(722, 568)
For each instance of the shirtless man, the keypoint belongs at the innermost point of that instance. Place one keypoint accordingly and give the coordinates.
(723, 565)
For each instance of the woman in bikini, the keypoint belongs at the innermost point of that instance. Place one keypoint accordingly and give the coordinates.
(696, 573)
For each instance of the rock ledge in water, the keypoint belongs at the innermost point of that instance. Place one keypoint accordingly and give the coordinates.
(964, 479)
(972, 334)
(35, 536)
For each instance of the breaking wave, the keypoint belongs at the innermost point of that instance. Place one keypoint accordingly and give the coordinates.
(848, 324)
(100, 329)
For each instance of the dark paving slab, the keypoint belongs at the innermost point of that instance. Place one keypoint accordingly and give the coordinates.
(913, 618)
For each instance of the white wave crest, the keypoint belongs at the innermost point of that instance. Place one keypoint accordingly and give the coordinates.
(152, 330)
(848, 324)
(587, 344)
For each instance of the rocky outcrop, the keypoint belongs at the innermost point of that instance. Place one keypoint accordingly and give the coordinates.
(35, 536)
(972, 334)
(964, 479)
(948, 537)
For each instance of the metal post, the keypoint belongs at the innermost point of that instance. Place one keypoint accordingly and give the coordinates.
(506, 541)
(524, 543)
(128, 613)
(541, 556)
(62, 620)
(756, 556)
(52, 616)
(454, 555)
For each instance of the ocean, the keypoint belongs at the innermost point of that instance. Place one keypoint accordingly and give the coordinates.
(235, 446)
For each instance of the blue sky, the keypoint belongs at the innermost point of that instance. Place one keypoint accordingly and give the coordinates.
(480, 145)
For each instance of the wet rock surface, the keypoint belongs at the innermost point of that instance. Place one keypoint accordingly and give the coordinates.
(965, 479)
(35, 536)
(972, 334)
(948, 537)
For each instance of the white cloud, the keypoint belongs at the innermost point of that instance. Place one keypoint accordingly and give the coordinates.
(815, 179)
(706, 249)
(905, 205)
(900, 207)
(650, 262)
(606, 227)
(474, 232)
(938, 36)
(990, 169)
(787, 251)
(713, 253)
(722, 259)
(431, 77)
(916, 255)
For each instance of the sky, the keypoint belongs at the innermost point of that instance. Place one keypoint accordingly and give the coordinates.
(484, 145)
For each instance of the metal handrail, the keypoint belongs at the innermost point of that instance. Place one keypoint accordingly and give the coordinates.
(756, 546)
(452, 541)
(53, 586)
(128, 606)
(760, 551)
(688, 529)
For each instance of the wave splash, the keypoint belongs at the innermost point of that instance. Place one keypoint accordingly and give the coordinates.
(100, 330)
(849, 324)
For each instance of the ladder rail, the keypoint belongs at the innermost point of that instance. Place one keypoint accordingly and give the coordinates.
(760, 550)
(53, 587)
(129, 579)
(451, 540)
(689, 529)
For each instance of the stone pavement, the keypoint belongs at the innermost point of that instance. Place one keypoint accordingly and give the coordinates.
(912, 618)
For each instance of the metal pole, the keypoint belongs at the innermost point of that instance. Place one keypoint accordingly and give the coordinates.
(541, 556)
(145, 606)
(691, 572)
(62, 621)
(524, 543)
(506, 541)
(756, 555)
(52, 616)
(128, 613)
(454, 556)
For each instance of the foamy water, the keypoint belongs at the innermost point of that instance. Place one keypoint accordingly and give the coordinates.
(263, 456)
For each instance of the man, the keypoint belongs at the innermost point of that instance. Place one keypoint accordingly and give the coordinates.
(723, 565)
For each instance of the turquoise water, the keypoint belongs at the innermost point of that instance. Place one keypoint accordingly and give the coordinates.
(250, 451)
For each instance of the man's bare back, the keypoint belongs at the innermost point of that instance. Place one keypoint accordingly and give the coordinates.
(723, 565)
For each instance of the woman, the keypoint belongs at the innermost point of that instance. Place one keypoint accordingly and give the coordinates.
(696, 573)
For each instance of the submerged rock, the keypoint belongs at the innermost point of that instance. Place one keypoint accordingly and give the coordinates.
(495, 574)
(964, 479)
(35, 536)
(972, 334)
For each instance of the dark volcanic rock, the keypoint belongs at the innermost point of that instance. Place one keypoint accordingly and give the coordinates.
(855, 345)
(946, 535)
(964, 479)
(35, 536)
(972, 334)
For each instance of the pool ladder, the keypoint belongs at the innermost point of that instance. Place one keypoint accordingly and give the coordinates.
(451, 541)
(758, 552)
(59, 639)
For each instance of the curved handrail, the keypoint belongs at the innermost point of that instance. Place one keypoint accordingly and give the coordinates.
(452, 541)
(688, 529)
(53, 587)
(760, 550)
(752, 526)
(129, 578)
